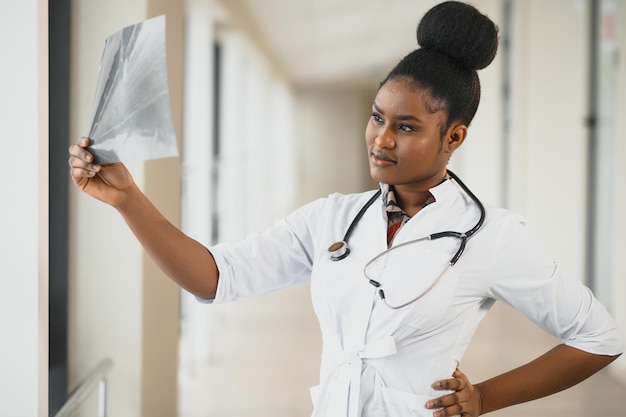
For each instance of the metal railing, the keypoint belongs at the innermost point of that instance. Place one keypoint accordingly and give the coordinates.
(95, 379)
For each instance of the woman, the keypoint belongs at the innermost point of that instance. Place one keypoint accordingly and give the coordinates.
(392, 348)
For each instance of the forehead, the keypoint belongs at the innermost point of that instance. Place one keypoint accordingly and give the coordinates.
(400, 97)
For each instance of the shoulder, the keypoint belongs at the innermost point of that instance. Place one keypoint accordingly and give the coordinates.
(504, 233)
(338, 203)
(511, 244)
(330, 212)
(500, 220)
(351, 200)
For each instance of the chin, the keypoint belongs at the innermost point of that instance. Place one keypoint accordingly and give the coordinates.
(375, 175)
(382, 178)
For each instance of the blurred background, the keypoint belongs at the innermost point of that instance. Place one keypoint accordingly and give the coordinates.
(270, 99)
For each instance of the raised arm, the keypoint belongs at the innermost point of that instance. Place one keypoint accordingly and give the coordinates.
(182, 258)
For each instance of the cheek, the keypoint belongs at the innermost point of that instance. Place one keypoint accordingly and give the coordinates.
(416, 154)
(411, 150)
(425, 148)
(370, 133)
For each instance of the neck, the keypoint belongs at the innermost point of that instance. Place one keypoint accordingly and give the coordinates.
(413, 202)
(412, 198)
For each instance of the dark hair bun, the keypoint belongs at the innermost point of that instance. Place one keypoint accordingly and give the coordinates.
(461, 32)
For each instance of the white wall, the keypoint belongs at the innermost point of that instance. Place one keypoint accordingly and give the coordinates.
(330, 134)
(547, 159)
(24, 211)
(104, 312)
(552, 115)
(484, 142)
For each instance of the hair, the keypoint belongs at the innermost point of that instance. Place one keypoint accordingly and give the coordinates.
(455, 41)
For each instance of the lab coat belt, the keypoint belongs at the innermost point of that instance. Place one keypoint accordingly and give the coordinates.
(340, 395)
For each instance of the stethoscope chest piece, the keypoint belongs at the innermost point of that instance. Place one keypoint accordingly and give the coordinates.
(338, 250)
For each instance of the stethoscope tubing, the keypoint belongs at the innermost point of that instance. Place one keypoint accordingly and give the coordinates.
(340, 250)
(360, 214)
(463, 236)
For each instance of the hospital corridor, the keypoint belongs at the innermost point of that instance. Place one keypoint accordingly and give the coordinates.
(265, 357)
(271, 117)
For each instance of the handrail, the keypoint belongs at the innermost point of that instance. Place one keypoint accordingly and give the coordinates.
(97, 377)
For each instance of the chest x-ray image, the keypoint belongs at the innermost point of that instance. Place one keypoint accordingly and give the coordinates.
(132, 119)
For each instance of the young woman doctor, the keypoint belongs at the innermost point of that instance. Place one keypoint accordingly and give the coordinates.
(380, 357)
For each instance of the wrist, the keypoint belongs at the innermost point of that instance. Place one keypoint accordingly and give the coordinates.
(479, 390)
(129, 199)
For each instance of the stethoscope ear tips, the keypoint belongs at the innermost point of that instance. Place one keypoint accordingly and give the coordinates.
(338, 250)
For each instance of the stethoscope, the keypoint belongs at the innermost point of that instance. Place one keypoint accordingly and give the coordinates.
(339, 250)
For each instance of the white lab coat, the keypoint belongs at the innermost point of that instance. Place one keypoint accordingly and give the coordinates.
(382, 362)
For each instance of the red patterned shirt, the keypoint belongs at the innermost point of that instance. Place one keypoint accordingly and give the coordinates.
(396, 217)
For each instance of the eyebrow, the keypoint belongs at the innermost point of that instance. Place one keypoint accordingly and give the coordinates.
(399, 117)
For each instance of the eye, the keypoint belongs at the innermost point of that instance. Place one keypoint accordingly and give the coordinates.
(406, 128)
(377, 118)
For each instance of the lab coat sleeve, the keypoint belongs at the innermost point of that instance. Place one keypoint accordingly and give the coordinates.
(523, 277)
(276, 258)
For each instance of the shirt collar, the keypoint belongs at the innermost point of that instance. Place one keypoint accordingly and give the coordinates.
(389, 199)
(442, 192)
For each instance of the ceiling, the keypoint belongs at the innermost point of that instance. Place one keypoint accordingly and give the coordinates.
(331, 42)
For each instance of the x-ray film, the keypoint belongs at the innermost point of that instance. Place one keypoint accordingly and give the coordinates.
(132, 117)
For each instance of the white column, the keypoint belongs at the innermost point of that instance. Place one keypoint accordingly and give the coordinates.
(198, 167)
(24, 210)
(619, 243)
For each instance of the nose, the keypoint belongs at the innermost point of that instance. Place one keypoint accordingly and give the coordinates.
(385, 138)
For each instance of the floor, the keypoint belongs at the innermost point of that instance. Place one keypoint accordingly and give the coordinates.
(252, 370)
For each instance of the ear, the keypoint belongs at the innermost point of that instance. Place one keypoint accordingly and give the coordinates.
(455, 136)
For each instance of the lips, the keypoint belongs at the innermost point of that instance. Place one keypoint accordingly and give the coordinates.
(381, 159)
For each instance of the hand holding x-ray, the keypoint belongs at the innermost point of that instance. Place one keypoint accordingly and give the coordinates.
(132, 117)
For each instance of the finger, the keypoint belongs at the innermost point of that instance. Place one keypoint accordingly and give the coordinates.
(445, 401)
(80, 168)
(454, 384)
(458, 374)
(81, 158)
(448, 406)
(78, 150)
(84, 142)
(453, 410)
(82, 173)
(75, 162)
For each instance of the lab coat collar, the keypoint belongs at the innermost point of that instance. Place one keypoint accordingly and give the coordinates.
(445, 192)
